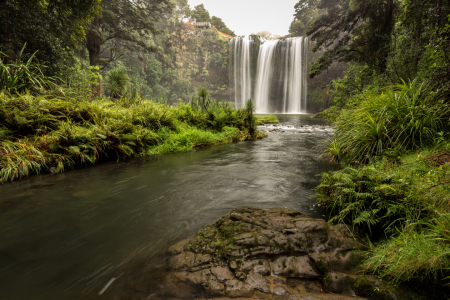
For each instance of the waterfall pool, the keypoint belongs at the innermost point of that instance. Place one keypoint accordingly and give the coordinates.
(101, 232)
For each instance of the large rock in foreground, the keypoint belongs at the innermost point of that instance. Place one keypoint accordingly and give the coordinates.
(276, 253)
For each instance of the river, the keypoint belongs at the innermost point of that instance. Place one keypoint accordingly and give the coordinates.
(101, 232)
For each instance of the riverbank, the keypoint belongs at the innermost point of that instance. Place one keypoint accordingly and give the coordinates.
(50, 133)
(392, 187)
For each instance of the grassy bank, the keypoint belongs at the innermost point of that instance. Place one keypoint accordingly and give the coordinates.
(393, 184)
(267, 119)
(47, 133)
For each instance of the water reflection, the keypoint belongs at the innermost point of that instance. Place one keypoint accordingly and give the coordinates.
(102, 231)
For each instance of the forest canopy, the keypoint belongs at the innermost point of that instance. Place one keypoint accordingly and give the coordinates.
(90, 37)
(375, 32)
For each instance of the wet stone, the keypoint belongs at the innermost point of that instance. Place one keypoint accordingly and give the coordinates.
(178, 248)
(260, 266)
(214, 287)
(222, 274)
(280, 290)
(258, 282)
(293, 267)
(258, 252)
(236, 288)
(201, 259)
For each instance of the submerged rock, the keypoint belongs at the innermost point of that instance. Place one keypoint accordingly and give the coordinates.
(267, 254)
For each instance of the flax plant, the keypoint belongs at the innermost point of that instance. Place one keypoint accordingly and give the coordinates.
(24, 75)
(406, 117)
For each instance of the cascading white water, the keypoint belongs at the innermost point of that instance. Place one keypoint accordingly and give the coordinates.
(264, 74)
(242, 79)
(296, 80)
(279, 84)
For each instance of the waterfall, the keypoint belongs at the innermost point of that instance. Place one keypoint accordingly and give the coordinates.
(264, 76)
(240, 49)
(272, 73)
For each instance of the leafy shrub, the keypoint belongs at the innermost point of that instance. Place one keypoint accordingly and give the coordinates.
(428, 247)
(81, 80)
(406, 117)
(116, 82)
(381, 196)
(24, 75)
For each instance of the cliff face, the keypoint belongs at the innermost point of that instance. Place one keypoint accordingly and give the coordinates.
(190, 58)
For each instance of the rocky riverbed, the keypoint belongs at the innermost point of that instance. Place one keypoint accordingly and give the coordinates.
(271, 254)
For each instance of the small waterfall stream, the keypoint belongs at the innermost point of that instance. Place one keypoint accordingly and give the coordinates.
(264, 75)
(272, 73)
(242, 78)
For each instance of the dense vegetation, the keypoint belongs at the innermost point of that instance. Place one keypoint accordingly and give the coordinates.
(53, 115)
(44, 127)
(187, 59)
(163, 52)
(391, 118)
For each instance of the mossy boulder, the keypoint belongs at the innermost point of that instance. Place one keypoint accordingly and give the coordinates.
(273, 254)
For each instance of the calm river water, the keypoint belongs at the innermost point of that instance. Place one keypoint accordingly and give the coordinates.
(101, 232)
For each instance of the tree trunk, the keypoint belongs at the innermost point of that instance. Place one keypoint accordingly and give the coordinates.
(93, 43)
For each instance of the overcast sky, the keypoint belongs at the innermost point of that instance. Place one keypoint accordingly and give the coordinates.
(250, 16)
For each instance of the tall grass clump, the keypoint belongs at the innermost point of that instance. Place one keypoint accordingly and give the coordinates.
(267, 119)
(116, 82)
(24, 75)
(418, 252)
(407, 117)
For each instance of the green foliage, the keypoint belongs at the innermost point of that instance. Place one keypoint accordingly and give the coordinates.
(267, 119)
(365, 198)
(134, 32)
(383, 195)
(251, 120)
(203, 97)
(357, 30)
(386, 35)
(116, 82)
(306, 11)
(358, 81)
(48, 28)
(48, 133)
(421, 254)
(403, 201)
(200, 14)
(81, 80)
(23, 75)
(220, 25)
(189, 58)
(406, 117)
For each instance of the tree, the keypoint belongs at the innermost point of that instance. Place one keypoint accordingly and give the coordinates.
(352, 30)
(200, 14)
(182, 9)
(306, 11)
(49, 27)
(220, 25)
(124, 24)
(422, 22)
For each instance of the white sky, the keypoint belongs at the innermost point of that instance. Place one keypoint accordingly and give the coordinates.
(250, 16)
